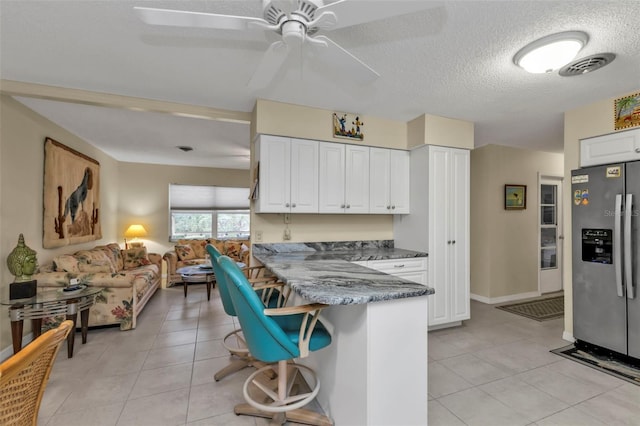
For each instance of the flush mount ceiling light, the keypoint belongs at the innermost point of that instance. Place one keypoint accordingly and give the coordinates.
(551, 52)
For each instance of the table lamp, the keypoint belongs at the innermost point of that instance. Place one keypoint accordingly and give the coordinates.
(133, 233)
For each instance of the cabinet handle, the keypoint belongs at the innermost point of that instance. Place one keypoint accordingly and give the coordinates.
(388, 207)
(286, 205)
(399, 266)
(342, 206)
(449, 242)
(348, 206)
(293, 205)
(453, 242)
(638, 150)
(393, 207)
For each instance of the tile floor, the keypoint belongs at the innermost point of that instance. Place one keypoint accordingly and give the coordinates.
(494, 370)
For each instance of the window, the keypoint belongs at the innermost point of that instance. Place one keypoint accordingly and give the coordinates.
(208, 212)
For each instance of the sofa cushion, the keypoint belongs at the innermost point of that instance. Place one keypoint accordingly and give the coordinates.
(66, 263)
(199, 249)
(96, 266)
(185, 252)
(112, 251)
(135, 257)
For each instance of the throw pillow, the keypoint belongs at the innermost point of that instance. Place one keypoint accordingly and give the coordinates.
(198, 247)
(233, 249)
(66, 263)
(135, 257)
(185, 252)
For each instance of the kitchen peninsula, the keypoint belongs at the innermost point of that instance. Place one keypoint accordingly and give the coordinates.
(375, 370)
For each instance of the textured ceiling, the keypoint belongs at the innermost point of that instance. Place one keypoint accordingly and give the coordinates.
(453, 59)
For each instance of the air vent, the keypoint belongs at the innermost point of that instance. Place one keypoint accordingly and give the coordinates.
(588, 64)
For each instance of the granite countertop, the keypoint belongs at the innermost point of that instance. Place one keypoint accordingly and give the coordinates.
(323, 273)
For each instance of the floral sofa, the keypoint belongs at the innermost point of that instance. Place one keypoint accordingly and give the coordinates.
(128, 277)
(193, 252)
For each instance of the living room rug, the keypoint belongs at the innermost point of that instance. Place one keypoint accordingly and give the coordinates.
(540, 309)
(603, 361)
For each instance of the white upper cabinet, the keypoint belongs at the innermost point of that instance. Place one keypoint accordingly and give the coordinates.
(344, 178)
(288, 175)
(389, 181)
(612, 148)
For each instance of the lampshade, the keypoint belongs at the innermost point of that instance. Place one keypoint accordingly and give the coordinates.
(135, 231)
(551, 52)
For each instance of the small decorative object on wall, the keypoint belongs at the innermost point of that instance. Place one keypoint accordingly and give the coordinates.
(515, 197)
(626, 111)
(347, 126)
(71, 196)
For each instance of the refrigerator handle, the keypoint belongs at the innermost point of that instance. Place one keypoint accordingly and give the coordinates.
(628, 273)
(617, 249)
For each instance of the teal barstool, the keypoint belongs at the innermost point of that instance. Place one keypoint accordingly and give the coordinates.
(234, 341)
(277, 335)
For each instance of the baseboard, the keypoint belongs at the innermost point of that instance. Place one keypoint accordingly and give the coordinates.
(504, 299)
(8, 351)
(568, 336)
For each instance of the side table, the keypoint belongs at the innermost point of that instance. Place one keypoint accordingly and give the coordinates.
(197, 274)
(51, 303)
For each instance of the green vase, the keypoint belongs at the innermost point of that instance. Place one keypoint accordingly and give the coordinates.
(22, 261)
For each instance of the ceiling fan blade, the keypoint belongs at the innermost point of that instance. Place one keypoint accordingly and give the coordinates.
(183, 18)
(335, 55)
(353, 12)
(270, 64)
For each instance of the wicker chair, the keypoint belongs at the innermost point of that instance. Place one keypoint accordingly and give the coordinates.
(24, 376)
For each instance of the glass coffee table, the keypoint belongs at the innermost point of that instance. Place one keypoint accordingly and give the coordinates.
(47, 304)
(197, 274)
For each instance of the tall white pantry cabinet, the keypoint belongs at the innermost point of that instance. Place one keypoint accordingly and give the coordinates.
(439, 225)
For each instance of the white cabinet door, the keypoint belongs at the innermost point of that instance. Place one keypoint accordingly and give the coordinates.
(449, 235)
(304, 176)
(399, 178)
(331, 183)
(459, 232)
(275, 174)
(379, 180)
(356, 179)
(439, 241)
(611, 148)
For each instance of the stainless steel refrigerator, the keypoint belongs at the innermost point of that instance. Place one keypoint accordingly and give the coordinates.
(605, 209)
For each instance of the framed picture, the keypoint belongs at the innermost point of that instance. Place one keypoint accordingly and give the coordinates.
(626, 112)
(347, 126)
(515, 197)
(71, 196)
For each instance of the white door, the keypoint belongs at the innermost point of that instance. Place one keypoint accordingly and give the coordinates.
(275, 174)
(379, 180)
(459, 191)
(550, 233)
(304, 176)
(357, 179)
(331, 178)
(399, 188)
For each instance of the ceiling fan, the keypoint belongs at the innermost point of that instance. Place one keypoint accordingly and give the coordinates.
(297, 21)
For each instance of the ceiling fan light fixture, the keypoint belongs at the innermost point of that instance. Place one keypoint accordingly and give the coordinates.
(550, 53)
(293, 33)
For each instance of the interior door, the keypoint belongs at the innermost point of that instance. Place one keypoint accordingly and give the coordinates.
(550, 235)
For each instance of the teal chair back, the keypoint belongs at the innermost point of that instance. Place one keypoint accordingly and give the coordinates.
(221, 279)
(266, 340)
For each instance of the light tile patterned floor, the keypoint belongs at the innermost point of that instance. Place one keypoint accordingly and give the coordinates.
(494, 370)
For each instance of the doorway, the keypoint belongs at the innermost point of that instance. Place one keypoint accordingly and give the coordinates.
(550, 234)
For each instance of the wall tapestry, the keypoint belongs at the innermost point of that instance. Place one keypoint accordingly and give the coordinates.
(71, 196)
(347, 126)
